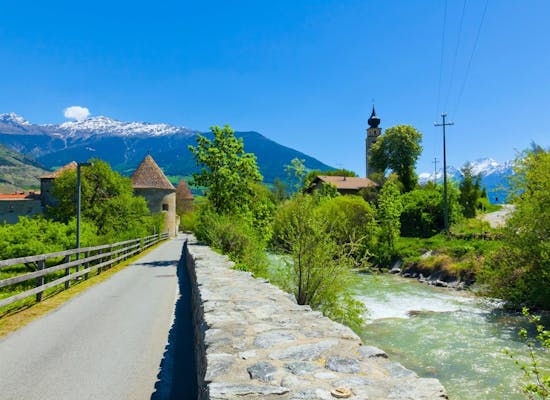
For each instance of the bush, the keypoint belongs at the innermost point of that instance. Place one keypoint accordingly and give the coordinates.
(319, 272)
(234, 236)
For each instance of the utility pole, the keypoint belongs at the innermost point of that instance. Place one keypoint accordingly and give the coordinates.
(78, 201)
(445, 204)
(435, 170)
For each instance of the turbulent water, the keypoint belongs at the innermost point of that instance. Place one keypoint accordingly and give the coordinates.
(449, 335)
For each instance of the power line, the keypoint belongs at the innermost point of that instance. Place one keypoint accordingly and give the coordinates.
(459, 98)
(441, 59)
(453, 67)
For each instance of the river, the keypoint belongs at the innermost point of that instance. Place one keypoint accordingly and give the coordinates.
(452, 336)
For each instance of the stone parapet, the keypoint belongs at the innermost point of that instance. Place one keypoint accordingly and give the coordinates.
(253, 341)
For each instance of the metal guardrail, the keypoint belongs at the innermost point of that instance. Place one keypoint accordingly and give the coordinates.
(94, 258)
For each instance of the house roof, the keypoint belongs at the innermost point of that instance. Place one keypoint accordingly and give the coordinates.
(183, 192)
(20, 196)
(347, 182)
(149, 176)
(68, 167)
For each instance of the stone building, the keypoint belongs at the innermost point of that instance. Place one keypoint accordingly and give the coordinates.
(15, 205)
(184, 198)
(150, 182)
(373, 132)
(47, 183)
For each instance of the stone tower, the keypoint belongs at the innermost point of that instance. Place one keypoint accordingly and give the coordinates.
(150, 182)
(373, 132)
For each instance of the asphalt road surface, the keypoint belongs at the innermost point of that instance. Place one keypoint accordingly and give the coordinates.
(107, 343)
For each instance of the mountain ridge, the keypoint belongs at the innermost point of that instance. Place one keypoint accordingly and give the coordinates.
(124, 144)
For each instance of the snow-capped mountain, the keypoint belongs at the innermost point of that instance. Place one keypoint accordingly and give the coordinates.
(494, 176)
(124, 144)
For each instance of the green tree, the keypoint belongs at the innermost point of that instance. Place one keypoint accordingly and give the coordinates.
(470, 191)
(107, 201)
(350, 220)
(388, 215)
(32, 236)
(278, 191)
(296, 172)
(226, 170)
(319, 273)
(520, 271)
(398, 149)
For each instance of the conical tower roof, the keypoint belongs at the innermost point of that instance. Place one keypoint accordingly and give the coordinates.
(183, 192)
(57, 173)
(149, 176)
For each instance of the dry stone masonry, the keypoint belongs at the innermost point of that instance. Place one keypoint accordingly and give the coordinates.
(254, 342)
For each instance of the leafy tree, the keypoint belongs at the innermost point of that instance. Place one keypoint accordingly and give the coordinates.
(226, 170)
(319, 273)
(278, 191)
(422, 214)
(470, 191)
(520, 271)
(388, 214)
(398, 149)
(350, 220)
(296, 171)
(107, 201)
(39, 235)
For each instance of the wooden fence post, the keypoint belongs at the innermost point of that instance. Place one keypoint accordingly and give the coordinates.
(67, 271)
(40, 280)
(86, 264)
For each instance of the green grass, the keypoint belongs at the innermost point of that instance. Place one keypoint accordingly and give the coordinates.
(460, 253)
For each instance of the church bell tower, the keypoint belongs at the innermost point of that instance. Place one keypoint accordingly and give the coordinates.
(373, 132)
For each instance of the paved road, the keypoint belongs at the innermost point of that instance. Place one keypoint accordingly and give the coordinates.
(498, 219)
(105, 344)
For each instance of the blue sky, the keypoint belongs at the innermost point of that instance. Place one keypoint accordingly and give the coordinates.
(303, 73)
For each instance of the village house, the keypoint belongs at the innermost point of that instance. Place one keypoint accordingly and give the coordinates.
(148, 181)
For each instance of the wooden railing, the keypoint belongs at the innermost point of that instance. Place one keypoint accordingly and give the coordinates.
(81, 261)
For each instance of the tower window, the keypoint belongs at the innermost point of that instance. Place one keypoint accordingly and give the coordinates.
(165, 207)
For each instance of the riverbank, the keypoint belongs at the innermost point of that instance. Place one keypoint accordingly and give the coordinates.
(253, 340)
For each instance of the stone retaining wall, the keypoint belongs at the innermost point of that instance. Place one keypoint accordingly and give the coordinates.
(253, 341)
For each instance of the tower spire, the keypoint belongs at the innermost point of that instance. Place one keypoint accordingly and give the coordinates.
(373, 132)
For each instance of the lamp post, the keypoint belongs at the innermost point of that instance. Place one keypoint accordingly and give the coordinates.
(445, 204)
(78, 199)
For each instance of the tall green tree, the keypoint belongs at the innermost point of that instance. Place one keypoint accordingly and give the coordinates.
(398, 149)
(520, 271)
(470, 191)
(319, 273)
(107, 202)
(226, 170)
(388, 214)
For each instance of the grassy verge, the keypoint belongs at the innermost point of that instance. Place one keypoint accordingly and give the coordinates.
(460, 254)
(19, 314)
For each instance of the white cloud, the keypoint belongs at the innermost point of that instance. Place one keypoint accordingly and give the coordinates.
(76, 112)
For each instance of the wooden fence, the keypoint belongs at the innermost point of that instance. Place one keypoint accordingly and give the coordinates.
(82, 261)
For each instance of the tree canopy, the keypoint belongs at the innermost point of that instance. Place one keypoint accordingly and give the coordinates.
(470, 191)
(226, 170)
(398, 149)
(107, 201)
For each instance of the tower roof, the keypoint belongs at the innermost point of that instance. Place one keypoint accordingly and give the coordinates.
(183, 192)
(374, 120)
(68, 167)
(149, 176)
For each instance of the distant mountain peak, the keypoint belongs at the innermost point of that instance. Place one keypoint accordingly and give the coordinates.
(14, 119)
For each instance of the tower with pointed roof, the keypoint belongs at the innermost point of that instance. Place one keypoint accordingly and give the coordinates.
(373, 132)
(150, 182)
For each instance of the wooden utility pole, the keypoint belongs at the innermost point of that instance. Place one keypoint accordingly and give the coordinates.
(445, 204)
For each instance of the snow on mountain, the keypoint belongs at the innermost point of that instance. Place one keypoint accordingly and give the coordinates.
(102, 125)
(483, 167)
(13, 119)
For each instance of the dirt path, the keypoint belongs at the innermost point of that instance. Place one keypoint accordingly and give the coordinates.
(498, 218)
